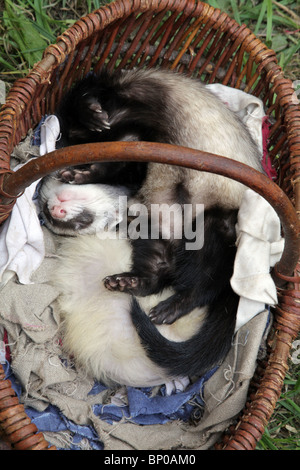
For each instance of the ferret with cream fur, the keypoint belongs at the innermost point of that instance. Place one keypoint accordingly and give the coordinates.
(97, 327)
(110, 333)
(156, 106)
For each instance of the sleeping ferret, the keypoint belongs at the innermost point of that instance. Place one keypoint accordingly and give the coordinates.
(96, 323)
(86, 209)
(109, 332)
(158, 106)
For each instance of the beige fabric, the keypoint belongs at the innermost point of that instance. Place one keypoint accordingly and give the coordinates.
(224, 394)
(259, 247)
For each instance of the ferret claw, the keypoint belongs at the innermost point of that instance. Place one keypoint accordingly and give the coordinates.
(120, 283)
(177, 385)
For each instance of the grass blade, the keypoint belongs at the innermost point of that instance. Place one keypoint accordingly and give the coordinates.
(269, 23)
(260, 17)
(291, 406)
(235, 10)
(22, 31)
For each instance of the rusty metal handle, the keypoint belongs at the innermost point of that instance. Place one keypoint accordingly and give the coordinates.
(15, 183)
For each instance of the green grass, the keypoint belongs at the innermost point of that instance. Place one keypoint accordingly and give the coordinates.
(27, 27)
(283, 431)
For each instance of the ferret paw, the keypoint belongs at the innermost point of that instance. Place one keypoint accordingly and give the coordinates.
(169, 310)
(163, 313)
(74, 175)
(93, 116)
(84, 174)
(121, 283)
(177, 385)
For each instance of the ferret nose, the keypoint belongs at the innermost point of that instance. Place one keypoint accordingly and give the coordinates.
(57, 212)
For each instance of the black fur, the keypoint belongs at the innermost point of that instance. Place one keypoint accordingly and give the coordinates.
(136, 112)
(198, 278)
(203, 351)
(100, 108)
(104, 107)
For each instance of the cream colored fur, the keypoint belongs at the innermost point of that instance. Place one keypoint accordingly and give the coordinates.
(96, 322)
(101, 200)
(199, 121)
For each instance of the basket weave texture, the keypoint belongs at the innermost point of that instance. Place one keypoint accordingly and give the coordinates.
(193, 38)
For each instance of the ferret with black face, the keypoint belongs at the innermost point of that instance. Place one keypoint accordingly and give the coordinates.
(156, 106)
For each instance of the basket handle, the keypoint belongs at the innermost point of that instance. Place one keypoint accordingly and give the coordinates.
(15, 183)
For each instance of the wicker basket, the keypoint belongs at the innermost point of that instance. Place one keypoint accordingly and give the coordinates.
(194, 38)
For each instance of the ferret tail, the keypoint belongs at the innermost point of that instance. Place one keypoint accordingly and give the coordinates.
(197, 355)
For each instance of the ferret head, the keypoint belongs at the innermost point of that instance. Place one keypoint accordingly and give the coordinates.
(64, 223)
(68, 209)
